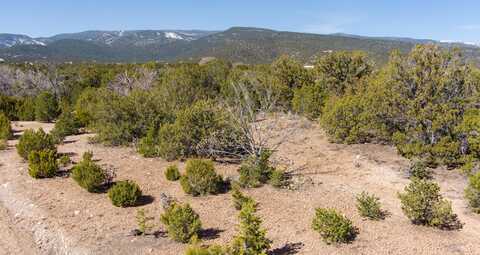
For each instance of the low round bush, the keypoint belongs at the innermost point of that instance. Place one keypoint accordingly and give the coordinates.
(172, 173)
(67, 124)
(419, 169)
(5, 127)
(256, 170)
(423, 205)
(472, 192)
(89, 175)
(42, 164)
(333, 227)
(369, 206)
(200, 178)
(32, 140)
(124, 193)
(182, 222)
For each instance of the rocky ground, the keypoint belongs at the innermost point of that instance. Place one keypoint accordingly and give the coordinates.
(56, 216)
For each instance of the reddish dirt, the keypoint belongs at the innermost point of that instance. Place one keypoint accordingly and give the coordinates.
(57, 216)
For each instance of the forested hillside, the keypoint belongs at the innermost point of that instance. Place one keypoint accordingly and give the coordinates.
(238, 44)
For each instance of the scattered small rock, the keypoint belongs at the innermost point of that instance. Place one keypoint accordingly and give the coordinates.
(134, 232)
(166, 200)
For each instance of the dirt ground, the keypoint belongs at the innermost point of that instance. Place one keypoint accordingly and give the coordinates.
(56, 216)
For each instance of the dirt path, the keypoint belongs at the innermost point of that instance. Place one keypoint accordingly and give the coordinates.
(62, 218)
(12, 239)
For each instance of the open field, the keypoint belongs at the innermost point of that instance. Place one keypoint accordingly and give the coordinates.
(52, 216)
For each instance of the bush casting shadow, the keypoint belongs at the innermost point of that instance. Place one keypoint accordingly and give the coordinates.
(210, 233)
(144, 200)
(288, 249)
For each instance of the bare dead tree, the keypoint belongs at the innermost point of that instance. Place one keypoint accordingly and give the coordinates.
(253, 113)
(143, 78)
(16, 82)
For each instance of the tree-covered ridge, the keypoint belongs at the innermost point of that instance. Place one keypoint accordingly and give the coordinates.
(238, 44)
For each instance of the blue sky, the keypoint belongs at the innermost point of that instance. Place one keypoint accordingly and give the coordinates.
(442, 19)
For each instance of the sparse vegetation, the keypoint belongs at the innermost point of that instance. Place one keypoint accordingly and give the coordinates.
(251, 237)
(172, 173)
(64, 160)
(3, 144)
(32, 140)
(182, 222)
(256, 171)
(42, 164)
(426, 103)
(89, 175)
(144, 221)
(368, 205)
(423, 204)
(239, 199)
(472, 192)
(333, 227)
(5, 127)
(124, 193)
(419, 170)
(200, 178)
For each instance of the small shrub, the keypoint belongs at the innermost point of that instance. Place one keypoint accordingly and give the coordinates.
(251, 237)
(239, 199)
(333, 227)
(147, 146)
(34, 141)
(182, 222)
(418, 169)
(256, 171)
(472, 192)
(5, 127)
(46, 107)
(277, 179)
(369, 206)
(124, 193)
(89, 175)
(211, 250)
(3, 144)
(423, 205)
(172, 173)
(200, 178)
(64, 160)
(66, 125)
(143, 221)
(42, 164)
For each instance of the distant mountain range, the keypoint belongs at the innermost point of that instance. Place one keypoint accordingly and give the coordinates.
(237, 44)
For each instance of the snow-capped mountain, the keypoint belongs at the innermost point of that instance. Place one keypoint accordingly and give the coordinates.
(10, 40)
(132, 37)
